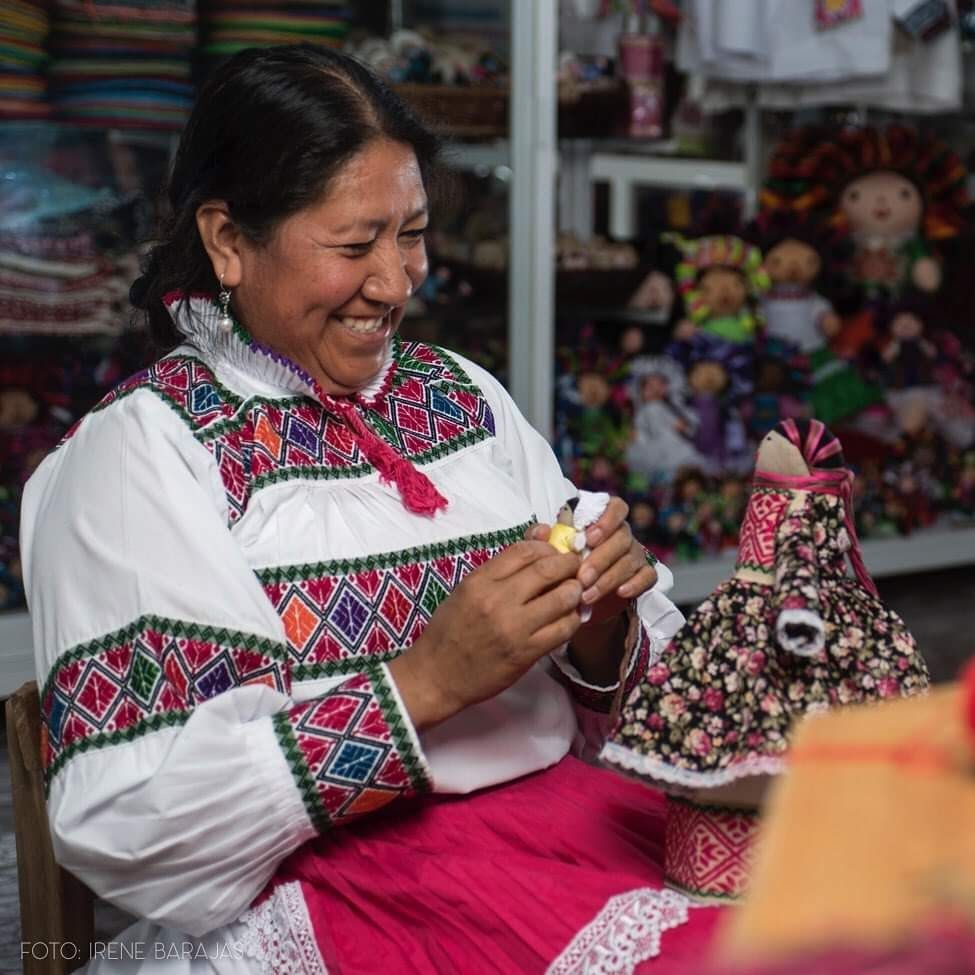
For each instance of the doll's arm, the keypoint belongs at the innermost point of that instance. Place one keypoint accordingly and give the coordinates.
(798, 622)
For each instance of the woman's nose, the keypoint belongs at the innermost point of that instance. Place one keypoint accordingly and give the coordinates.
(389, 281)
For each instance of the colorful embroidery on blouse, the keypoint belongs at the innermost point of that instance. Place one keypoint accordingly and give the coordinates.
(147, 676)
(338, 614)
(430, 409)
(350, 752)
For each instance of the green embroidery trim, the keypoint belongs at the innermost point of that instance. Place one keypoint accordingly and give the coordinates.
(167, 719)
(301, 772)
(319, 472)
(243, 415)
(170, 627)
(754, 567)
(398, 724)
(389, 560)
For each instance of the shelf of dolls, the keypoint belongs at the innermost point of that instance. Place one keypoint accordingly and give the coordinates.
(938, 547)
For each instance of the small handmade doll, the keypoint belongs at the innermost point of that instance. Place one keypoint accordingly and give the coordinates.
(663, 424)
(790, 633)
(568, 534)
(720, 277)
(800, 322)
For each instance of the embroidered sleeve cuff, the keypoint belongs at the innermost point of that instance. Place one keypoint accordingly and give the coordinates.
(587, 695)
(353, 750)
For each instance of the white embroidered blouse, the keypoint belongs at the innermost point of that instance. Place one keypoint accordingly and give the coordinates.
(216, 577)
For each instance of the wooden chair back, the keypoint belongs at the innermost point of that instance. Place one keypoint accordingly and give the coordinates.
(56, 909)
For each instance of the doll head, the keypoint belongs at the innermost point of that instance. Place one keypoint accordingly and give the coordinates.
(707, 378)
(793, 261)
(882, 204)
(906, 326)
(594, 389)
(567, 512)
(723, 290)
(888, 183)
(797, 448)
(718, 275)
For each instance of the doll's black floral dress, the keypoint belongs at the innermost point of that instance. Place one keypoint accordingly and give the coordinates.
(719, 703)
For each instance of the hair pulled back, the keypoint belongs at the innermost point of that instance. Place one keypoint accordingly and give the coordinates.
(269, 130)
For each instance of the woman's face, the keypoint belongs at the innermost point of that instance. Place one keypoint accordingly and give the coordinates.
(329, 289)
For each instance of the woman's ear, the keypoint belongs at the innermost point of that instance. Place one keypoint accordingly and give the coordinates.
(222, 241)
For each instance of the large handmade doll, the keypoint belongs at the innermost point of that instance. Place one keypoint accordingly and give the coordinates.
(791, 632)
(896, 192)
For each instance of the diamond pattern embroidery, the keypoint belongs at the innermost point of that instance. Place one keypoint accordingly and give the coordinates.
(347, 751)
(150, 674)
(337, 615)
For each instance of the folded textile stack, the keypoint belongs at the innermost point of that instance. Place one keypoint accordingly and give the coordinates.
(55, 278)
(230, 25)
(123, 63)
(23, 32)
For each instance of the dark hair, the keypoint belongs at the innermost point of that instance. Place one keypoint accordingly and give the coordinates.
(269, 130)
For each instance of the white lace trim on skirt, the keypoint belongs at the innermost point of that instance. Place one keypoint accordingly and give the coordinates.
(623, 934)
(278, 934)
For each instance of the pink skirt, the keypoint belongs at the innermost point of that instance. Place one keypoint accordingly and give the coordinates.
(557, 872)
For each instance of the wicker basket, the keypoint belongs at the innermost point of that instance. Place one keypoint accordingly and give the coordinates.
(466, 112)
(475, 112)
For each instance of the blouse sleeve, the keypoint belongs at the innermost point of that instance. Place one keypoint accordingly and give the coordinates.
(798, 622)
(536, 468)
(179, 770)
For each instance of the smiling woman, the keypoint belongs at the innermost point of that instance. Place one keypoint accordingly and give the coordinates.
(295, 572)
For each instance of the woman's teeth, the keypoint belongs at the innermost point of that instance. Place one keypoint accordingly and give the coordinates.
(364, 326)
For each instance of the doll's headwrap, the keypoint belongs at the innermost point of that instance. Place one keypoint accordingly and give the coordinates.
(819, 447)
(823, 454)
(717, 250)
(811, 166)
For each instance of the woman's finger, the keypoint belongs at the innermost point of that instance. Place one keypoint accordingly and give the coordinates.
(607, 523)
(615, 547)
(638, 584)
(617, 575)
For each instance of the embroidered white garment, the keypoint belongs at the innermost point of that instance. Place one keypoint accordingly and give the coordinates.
(216, 581)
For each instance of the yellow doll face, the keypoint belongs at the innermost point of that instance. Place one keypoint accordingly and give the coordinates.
(882, 204)
(723, 291)
(792, 262)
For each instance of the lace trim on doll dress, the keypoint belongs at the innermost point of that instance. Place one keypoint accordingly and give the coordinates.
(278, 934)
(624, 933)
(646, 767)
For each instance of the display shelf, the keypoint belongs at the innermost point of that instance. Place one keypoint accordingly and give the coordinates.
(941, 547)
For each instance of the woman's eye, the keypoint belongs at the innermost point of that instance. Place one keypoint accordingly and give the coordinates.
(414, 235)
(358, 248)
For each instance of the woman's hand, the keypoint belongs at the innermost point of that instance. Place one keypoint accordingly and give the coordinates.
(615, 571)
(504, 616)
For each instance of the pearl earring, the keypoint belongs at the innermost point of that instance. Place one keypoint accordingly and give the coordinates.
(225, 322)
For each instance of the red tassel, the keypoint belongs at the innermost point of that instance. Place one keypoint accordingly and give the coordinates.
(415, 488)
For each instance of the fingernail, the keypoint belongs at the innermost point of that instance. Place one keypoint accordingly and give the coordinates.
(588, 576)
(590, 595)
(594, 536)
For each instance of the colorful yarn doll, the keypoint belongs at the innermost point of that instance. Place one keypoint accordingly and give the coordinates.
(720, 277)
(568, 534)
(790, 633)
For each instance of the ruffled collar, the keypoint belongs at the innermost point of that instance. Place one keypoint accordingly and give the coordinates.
(241, 361)
(257, 368)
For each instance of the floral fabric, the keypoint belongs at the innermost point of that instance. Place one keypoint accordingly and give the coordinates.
(719, 703)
